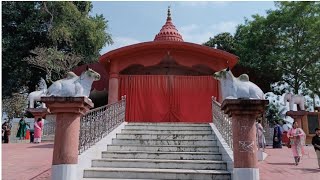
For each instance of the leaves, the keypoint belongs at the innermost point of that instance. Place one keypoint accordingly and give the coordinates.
(65, 28)
(53, 61)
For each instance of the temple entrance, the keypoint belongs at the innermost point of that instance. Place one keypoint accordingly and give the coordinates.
(168, 98)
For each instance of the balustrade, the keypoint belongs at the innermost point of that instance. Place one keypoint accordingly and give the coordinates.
(222, 122)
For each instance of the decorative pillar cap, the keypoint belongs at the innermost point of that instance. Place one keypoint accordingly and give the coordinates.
(296, 113)
(38, 111)
(68, 104)
(244, 106)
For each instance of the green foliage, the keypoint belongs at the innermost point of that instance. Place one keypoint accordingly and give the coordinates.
(62, 26)
(223, 41)
(15, 106)
(282, 47)
(275, 112)
(296, 26)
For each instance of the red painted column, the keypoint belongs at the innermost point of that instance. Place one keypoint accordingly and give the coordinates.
(113, 88)
(38, 112)
(68, 111)
(244, 114)
(297, 116)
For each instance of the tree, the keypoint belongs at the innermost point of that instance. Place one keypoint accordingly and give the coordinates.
(62, 26)
(54, 63)
(223, 41)
(296, 26)
(15, 106)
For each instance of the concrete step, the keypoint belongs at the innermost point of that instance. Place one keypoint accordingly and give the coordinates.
(162, 155)
(193, 128)
(146, 173)
(167, 136)
(164, 142)
(142, 131)
(160, 164)
(163, 148)
(168, 124)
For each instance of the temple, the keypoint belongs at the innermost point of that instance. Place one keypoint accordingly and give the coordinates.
(164, 80)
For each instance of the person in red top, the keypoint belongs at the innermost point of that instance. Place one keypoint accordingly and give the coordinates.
(38, 130)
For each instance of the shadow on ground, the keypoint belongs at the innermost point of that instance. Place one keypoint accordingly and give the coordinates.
(284, 164)
(42, 146)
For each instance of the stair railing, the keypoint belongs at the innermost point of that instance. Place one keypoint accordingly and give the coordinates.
(49, 128)
(222, 122)
(99, 122)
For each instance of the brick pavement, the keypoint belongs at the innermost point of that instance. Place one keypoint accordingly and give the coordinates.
(26, 161)
(33, 161)
(280, 165)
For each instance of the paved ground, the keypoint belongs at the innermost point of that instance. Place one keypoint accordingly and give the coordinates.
(33, 161)
(26, 161)
(280, 165)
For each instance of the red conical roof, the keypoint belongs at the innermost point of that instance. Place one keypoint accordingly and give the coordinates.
(168, 31)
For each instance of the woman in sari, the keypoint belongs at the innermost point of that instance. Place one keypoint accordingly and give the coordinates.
(38, 130)
(297, 141)
(21, 134)
(260, 136)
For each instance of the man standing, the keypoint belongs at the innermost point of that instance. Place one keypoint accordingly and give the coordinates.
(277, 135)
(316, 144)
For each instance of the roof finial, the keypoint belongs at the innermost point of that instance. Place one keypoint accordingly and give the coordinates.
(169, 14)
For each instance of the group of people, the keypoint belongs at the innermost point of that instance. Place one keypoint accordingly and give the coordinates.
(296, 139)
(22, 130)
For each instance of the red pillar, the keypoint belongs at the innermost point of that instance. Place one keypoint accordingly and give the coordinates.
(38, 112)
(68, 111)
(297, 116)
(113, 88)
(244, 114)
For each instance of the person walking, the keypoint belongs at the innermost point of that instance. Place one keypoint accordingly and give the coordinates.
(316, 144)
(21, 134)
(260, 136)
(38, 130)
(297, 139)
(277, 134)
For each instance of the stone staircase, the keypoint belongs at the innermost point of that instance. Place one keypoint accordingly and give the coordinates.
(161, 151)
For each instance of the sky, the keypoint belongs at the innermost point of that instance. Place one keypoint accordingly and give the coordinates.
(197, 21)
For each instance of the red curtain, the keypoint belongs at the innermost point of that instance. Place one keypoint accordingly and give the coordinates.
(168, 98)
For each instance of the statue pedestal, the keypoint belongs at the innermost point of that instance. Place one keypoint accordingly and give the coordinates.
(38, 112)
(244, 114)
(68, 111)
(297, 116)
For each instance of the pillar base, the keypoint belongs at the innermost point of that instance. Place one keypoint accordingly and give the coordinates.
(64, 172)
(261, 155)
(246, 174)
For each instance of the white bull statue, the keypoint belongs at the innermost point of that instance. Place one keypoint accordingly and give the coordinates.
(71, 86)
(74, 86)
(237, 88)
(293, 99)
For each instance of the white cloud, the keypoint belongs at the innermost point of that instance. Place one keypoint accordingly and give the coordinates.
(199, 33)
(118, 43)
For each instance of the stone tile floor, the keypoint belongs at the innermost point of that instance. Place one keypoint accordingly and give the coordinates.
(280, 165)
(33, 161)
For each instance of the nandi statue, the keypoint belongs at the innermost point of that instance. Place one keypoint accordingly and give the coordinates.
(237, 88)
(74, 86)
(293, 99)
(35, 96)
